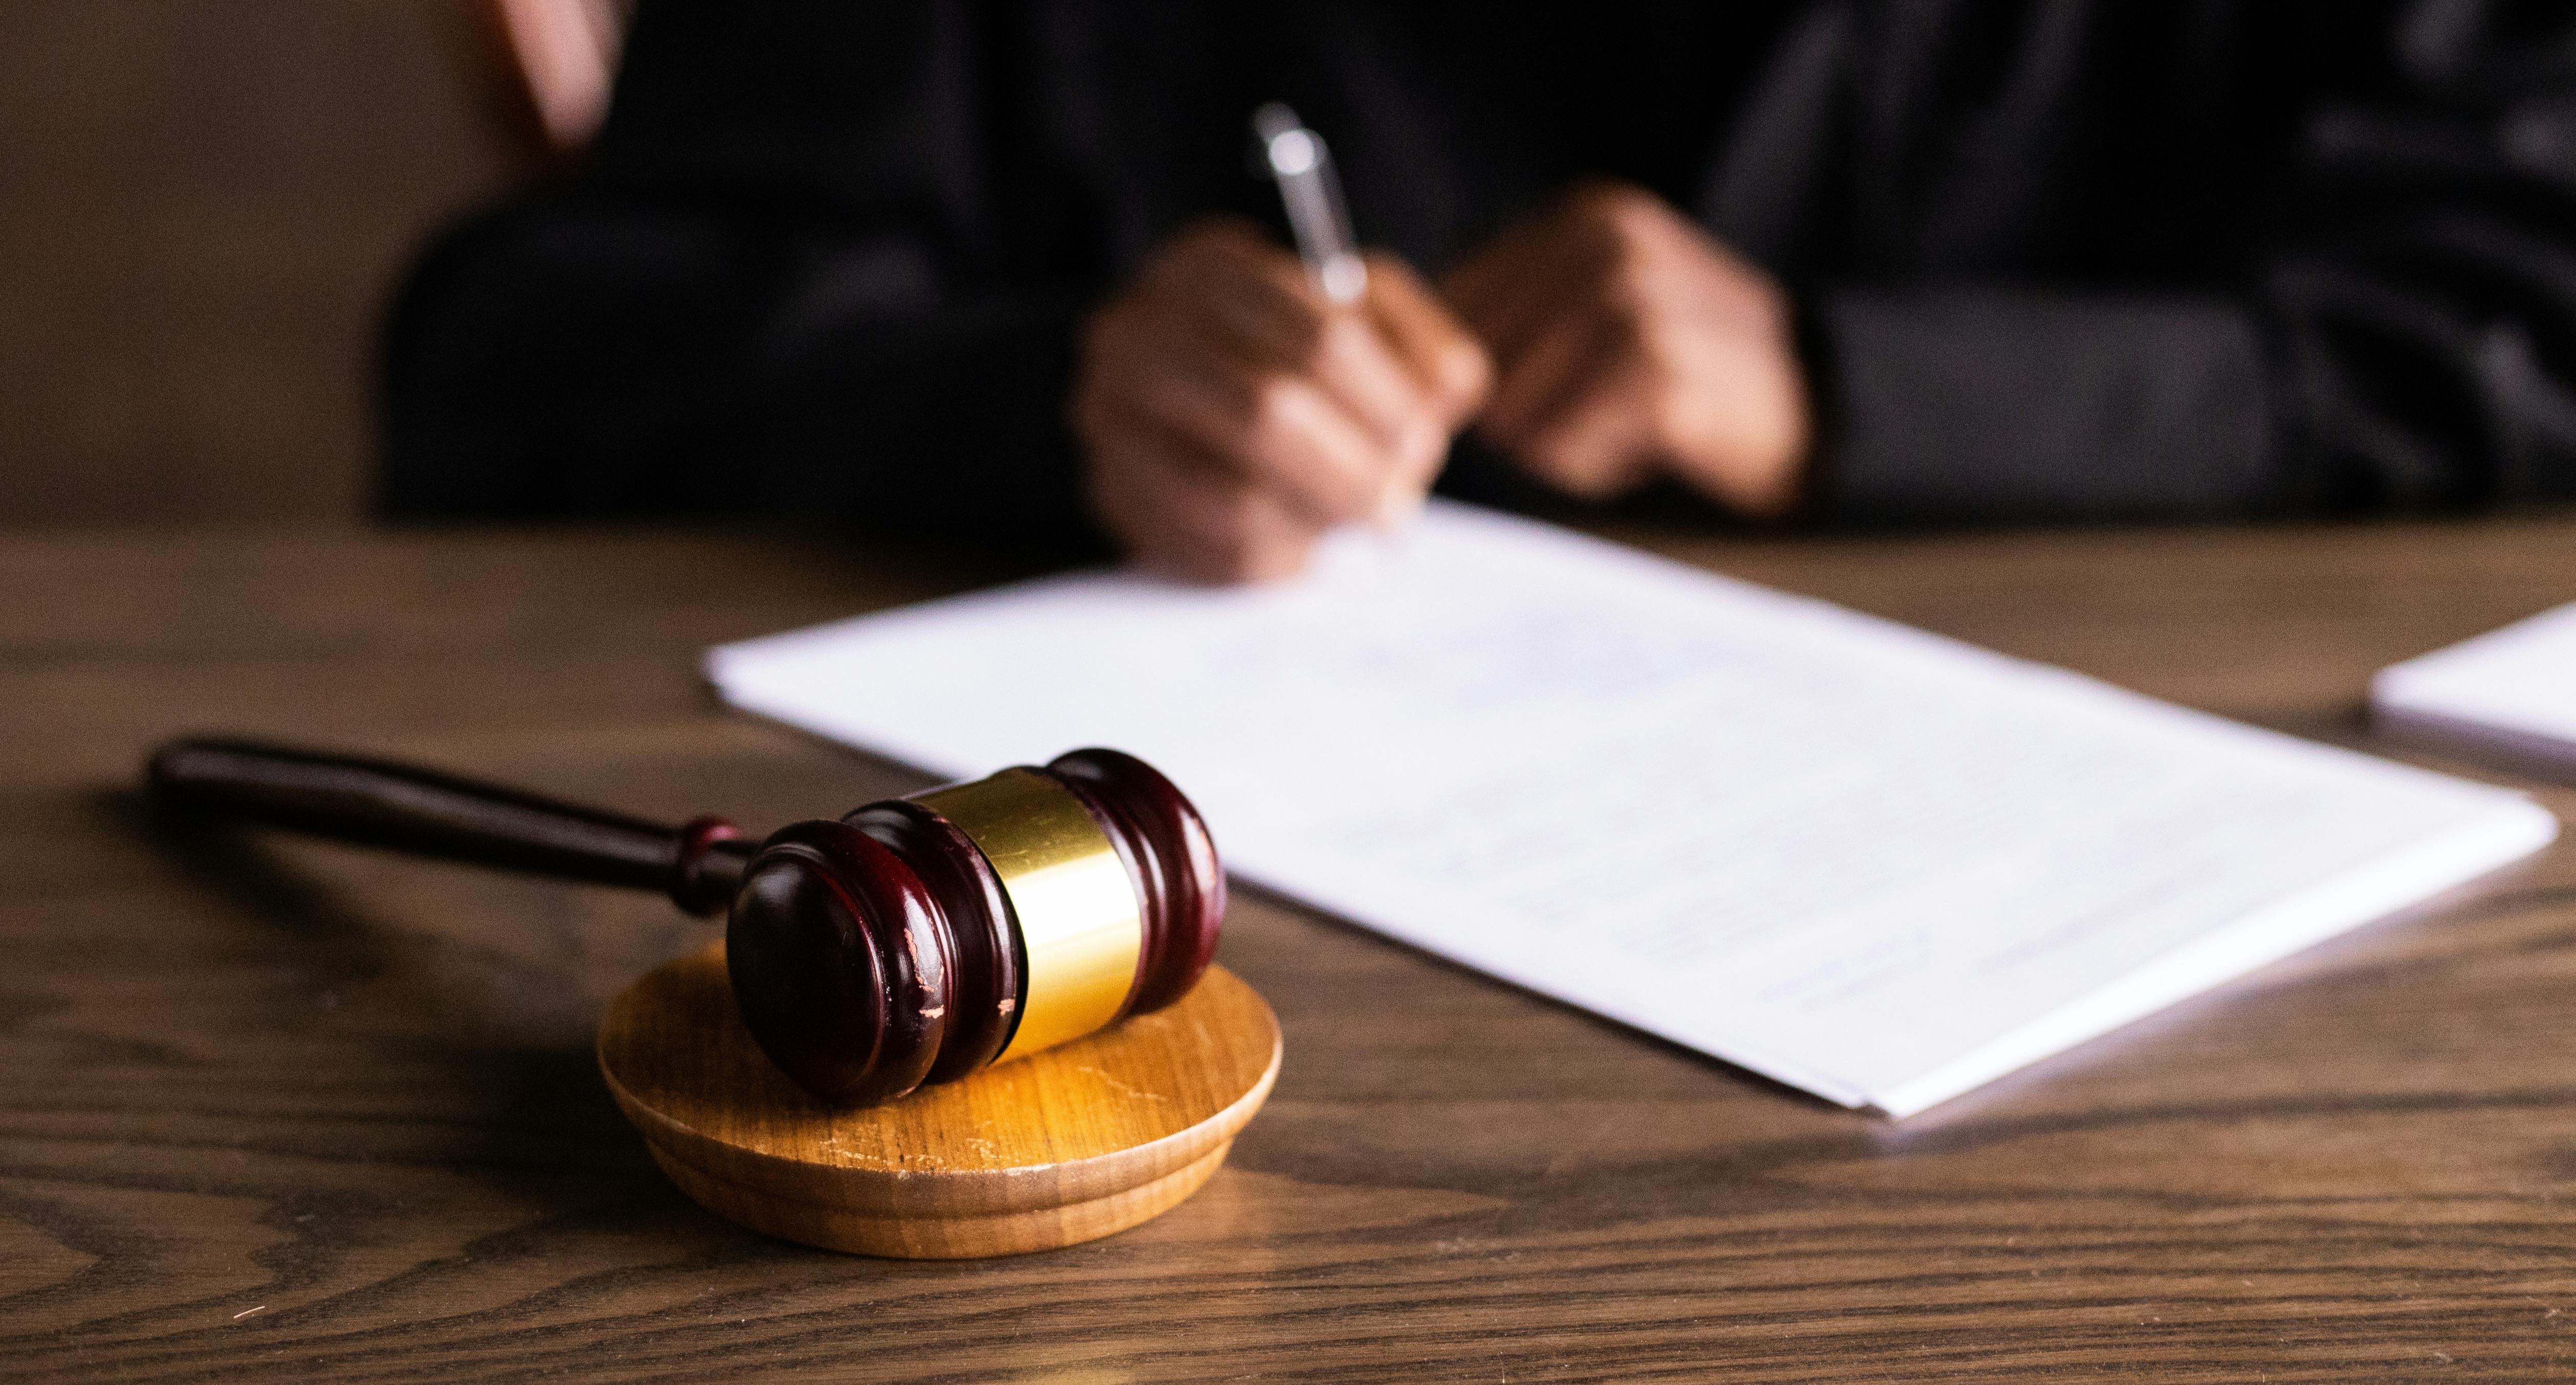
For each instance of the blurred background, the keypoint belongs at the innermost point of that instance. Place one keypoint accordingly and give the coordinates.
(207, 206)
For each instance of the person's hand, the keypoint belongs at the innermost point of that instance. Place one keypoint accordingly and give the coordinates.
(1631, 346)
(1230, 413)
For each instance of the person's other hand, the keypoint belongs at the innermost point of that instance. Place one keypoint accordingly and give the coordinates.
(1630, 346)
(1230, 413)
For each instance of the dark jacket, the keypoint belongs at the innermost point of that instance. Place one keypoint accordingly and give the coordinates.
(2054, 258)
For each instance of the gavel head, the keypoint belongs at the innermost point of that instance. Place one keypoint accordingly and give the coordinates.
(921, 938)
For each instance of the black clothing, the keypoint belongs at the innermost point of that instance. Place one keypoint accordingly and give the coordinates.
(2054, 258)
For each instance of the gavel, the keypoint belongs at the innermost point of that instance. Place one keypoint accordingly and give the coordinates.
(913, 940)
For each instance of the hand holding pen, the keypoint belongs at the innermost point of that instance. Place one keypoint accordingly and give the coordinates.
(1237, 401)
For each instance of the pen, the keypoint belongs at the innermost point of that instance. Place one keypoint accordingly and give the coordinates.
(1303, 168)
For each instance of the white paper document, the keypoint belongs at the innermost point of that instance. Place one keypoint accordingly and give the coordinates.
(1870, 862)
(2510, 691)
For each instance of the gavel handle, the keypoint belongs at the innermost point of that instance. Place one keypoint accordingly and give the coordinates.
(699, 864)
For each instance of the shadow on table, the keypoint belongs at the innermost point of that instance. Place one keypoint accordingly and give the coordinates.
(431, 1027)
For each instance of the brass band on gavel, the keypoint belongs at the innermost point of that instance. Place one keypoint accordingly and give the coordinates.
(1074, 904)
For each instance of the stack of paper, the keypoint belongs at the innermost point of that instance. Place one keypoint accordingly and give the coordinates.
(2511, 692)
(1876, 864)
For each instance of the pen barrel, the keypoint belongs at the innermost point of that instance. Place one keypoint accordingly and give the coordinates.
(1311, 193)
(425, 813)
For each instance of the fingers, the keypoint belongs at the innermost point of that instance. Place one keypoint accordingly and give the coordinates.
(1150, 366)
(1265, 312)
(1441, 354)
(1224, 398)
(1449, 371)
(1553, 265)
(1574, 410)
(1627, 344)
(1508, 293)
(1544, 376)
(1177, 511)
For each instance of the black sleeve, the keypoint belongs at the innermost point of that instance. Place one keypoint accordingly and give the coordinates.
(2406, 337)
(791, 278)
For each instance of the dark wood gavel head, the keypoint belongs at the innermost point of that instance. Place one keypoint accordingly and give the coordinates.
(914, 940)
(922, 938)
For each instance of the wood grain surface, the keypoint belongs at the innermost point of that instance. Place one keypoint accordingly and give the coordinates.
(276, 1110)
(1066, 1145)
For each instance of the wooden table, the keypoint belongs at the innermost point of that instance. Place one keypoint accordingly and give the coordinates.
(280, 1110)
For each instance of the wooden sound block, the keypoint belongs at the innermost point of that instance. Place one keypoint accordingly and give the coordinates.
(1066, 1145)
